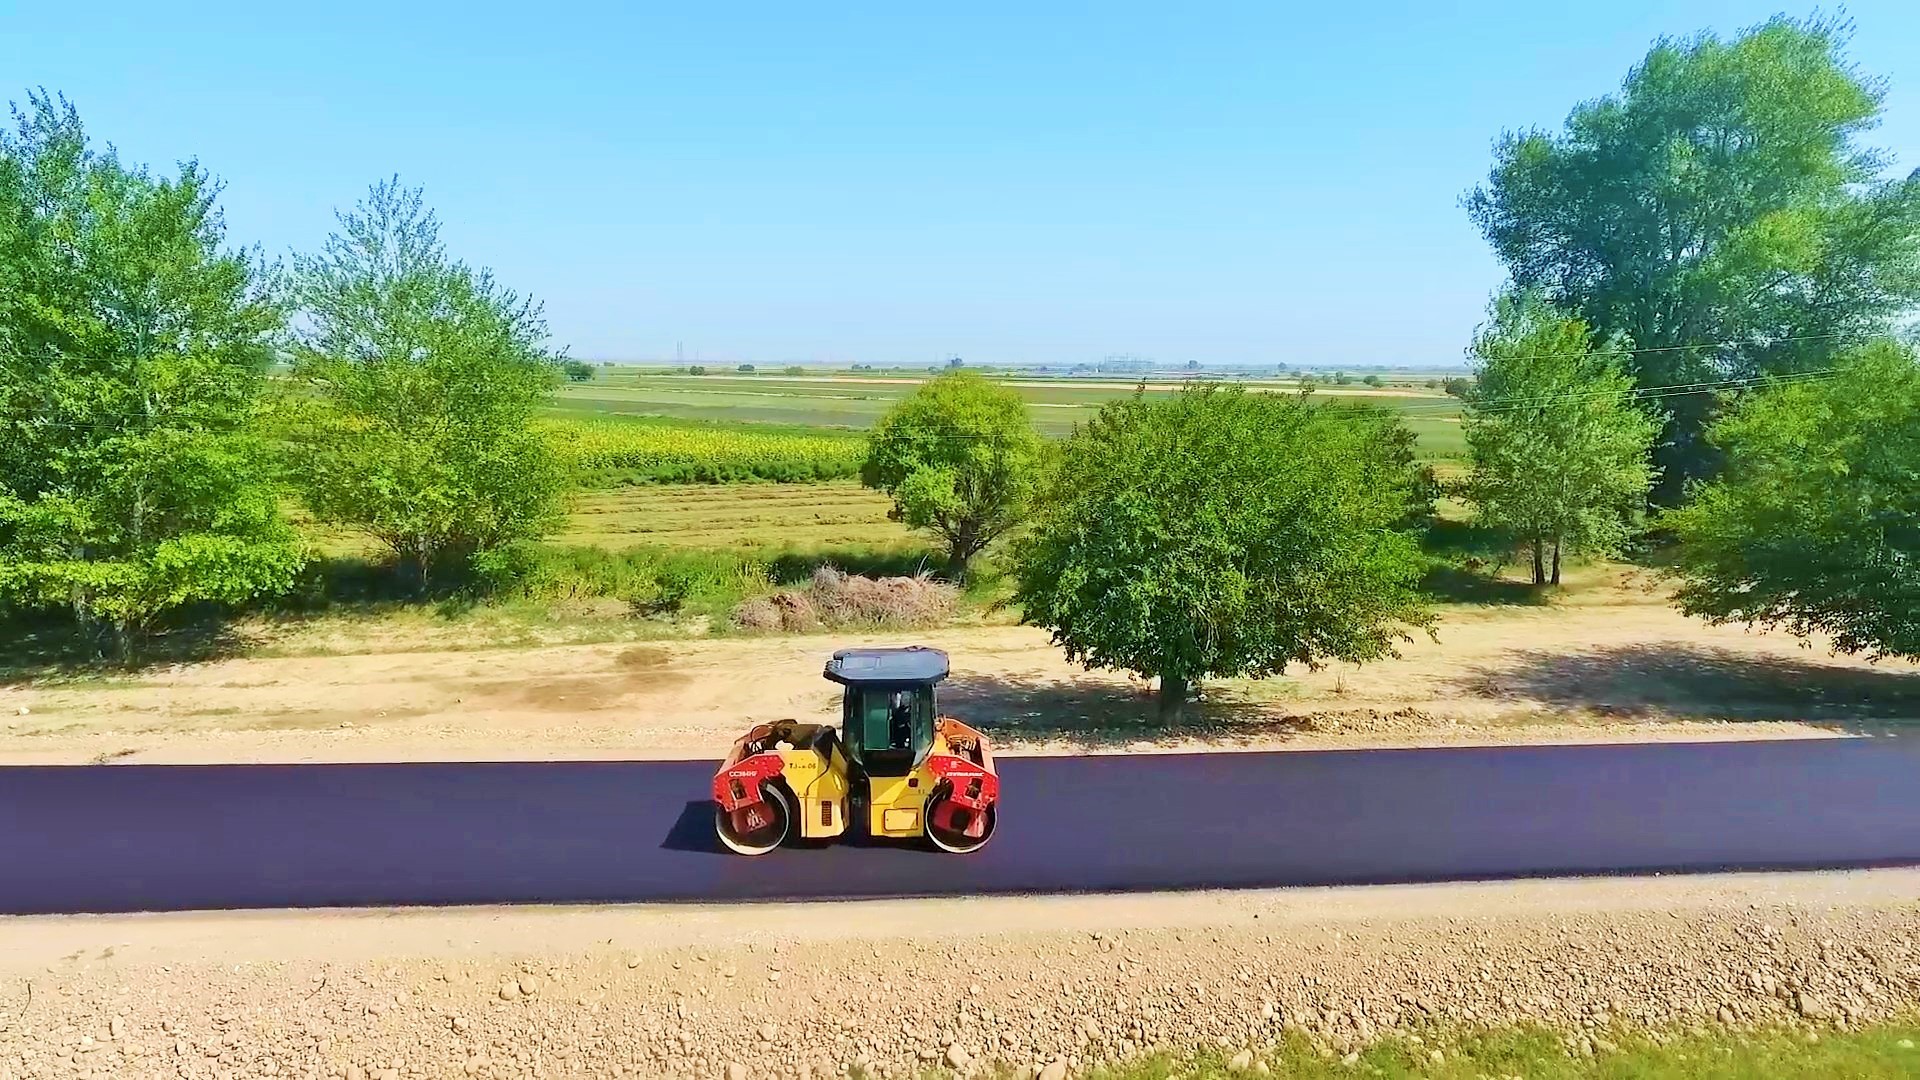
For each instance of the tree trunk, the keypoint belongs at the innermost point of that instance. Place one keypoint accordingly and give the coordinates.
(1173, 698)
(412, 569)
(123, 637)
(86, 620)
(1556, 560)
(1539, 562)
(962, 546)
(957, 560)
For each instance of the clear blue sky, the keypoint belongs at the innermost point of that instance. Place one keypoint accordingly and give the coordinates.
(899, 182)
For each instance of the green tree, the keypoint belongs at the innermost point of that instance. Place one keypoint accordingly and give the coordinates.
(1719, 211)
(1221, 533)
(577, 370)
(1560, 451)
(419, 380)
(133, 348)
(1814, 525)
(1373, 380)
(961, 459)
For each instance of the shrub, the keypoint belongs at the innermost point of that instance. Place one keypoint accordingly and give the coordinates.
(653, 580)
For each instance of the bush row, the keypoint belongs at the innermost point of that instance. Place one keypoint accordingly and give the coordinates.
(846, 588)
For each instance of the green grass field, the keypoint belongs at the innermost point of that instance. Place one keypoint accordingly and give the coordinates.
(763, 465)
(858, 402)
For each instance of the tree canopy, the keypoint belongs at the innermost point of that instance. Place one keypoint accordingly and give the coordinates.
(1222, 533)
(1559, 448)
(961, 459)
(1815, 524)
(419, 379)
(133, 348)
(1720, 211)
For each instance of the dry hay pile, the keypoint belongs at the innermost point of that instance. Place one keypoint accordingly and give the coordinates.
(838, 600)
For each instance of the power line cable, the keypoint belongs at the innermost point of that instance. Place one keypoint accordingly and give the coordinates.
(1651, 393)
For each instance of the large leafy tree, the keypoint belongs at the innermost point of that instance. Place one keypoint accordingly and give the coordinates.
(1720, 211)
(1559, 448)
(418, 379)
(1223, 533)
(961, 459)
(1815, 524)
(133, 348)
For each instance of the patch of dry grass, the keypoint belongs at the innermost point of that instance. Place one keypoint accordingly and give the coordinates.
(838, 600)
(750, 516)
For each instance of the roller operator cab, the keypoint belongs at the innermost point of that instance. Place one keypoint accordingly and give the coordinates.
(893, 768)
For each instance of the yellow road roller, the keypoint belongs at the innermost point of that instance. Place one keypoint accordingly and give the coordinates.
(894, 768)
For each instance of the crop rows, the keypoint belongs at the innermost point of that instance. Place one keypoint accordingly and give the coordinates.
(610, 451)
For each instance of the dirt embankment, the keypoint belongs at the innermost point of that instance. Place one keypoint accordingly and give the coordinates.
(1042, 986)
(1610, 661)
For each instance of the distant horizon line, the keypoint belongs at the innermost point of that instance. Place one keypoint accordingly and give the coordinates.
(1036, 365)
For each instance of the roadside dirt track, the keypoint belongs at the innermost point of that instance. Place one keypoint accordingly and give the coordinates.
(762, 991)
(1610, 662)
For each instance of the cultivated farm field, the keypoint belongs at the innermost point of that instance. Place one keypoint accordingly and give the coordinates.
(684, 461)
(825, 516)
(857, 402)
(636, 449)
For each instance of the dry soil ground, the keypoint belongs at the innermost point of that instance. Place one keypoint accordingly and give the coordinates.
(1039, 986)
(1610, 660)
(1045, 986)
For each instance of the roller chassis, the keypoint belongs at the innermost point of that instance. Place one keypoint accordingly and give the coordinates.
(893, 770)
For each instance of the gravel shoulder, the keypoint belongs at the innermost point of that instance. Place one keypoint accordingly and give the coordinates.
(899, 986)
(1609, 661)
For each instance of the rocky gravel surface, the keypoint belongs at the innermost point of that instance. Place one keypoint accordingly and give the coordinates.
(756, 995)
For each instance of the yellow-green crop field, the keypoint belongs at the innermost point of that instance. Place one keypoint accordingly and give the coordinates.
(827, 403)
(759, 517)
(607, 449)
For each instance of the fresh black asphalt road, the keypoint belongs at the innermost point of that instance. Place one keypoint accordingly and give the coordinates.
(134, 837)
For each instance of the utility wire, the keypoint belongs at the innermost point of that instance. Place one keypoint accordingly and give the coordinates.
(1650, 393)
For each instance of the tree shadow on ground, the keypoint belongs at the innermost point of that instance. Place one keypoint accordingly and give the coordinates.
(1673, 679)
(796, 568)
(1102, 715)
(355, 584)
(1464, 565)
(1468, 584)
(52, 645)
(55, 648)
